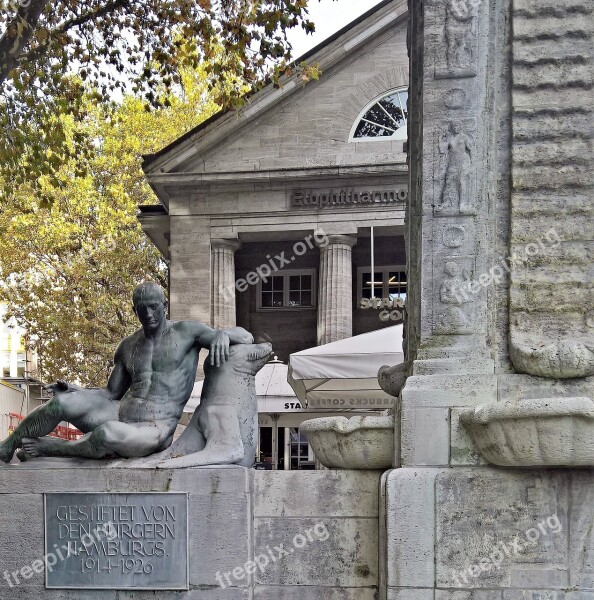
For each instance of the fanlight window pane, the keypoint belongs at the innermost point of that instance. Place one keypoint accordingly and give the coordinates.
(386, 118)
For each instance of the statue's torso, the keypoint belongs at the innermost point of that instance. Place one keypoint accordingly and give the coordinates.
(162, 372)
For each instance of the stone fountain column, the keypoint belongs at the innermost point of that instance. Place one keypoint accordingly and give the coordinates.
(450, 245)
(499, 306)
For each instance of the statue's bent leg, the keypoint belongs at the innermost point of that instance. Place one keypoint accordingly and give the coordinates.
(108, 440)
(224, 446)
(38, 423)
(85, 409)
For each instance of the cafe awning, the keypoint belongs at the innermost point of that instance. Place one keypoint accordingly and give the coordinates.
(272, 389)
(342, 375)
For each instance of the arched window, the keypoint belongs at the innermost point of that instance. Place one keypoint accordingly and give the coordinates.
(383, 118)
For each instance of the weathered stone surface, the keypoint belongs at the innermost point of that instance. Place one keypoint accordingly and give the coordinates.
(467, 595)
(219, 515)
(516, 523)
(335, 511)
(581, 541)
(463, 450)
(341, 493)
(552, 152)
(355, 443)
(544, 594)
(425, 436)
(313, 593)
(411, 594)
(548, 432)
(410, 529)
(347, 558)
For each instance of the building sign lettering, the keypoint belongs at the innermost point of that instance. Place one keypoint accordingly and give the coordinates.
(350, 197)
(379, 402)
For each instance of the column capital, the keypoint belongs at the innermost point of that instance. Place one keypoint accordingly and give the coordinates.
(225, 244)
(335, 239)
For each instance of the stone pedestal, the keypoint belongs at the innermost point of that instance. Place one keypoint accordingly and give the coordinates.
(486, 534)
(314, 532)
(220, 526)
(223, 282)
(335, 309)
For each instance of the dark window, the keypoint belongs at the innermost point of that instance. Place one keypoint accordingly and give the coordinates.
(388, 282)
(378, 285)
(273, 292)
(292, 289)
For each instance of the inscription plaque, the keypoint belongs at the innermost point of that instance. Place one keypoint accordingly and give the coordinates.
(116, 541)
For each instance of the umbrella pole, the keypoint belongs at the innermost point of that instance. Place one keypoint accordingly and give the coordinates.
(275, 418)
(372, 264)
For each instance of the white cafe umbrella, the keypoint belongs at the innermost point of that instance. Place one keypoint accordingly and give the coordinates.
(271, 388)
(343, 374)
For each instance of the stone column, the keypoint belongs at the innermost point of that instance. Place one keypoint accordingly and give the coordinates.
(335, 305)
(223, 282)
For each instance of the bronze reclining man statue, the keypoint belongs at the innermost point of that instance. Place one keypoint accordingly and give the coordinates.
(151, 381)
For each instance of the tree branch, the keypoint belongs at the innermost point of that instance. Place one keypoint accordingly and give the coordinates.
(90, 15)
(100, 11)
(17, 35)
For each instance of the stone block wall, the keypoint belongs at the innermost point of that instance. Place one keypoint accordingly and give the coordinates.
(345, 565)
(489, 534)
(319, 528)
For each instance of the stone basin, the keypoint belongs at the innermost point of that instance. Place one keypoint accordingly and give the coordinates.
(549, 432)
(355, 443)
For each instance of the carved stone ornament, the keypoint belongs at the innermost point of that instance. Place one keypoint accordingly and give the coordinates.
(455, 317)
(534, 433)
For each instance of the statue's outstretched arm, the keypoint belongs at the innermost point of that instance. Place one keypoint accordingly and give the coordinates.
(238, 335)
(219, 340)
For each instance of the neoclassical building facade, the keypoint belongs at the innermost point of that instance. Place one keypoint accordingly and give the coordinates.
(266, 214)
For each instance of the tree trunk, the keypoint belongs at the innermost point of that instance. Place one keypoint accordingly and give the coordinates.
(17, 35)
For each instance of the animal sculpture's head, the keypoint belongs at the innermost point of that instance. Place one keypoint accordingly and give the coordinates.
(249, 358)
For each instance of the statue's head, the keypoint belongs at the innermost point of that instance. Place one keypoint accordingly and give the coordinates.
(451, 269)
(455, 127)
(150, 305)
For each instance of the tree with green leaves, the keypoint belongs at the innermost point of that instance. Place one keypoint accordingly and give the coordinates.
(122, 46)
(68, 266)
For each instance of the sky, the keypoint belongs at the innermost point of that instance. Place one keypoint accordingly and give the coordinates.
(329, 16)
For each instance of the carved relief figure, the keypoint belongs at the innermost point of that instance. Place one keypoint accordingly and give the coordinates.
(454, 292)
(456, 192)
(460, 34)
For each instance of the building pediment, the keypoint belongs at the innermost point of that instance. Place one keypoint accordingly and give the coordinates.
(301, 126)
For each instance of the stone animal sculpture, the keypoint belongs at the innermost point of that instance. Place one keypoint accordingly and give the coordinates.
(224, 428)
